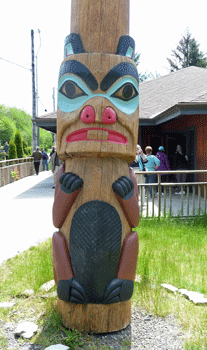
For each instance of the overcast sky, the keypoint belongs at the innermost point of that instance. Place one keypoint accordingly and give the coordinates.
(156, 27)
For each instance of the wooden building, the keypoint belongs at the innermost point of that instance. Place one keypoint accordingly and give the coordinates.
(173, 110)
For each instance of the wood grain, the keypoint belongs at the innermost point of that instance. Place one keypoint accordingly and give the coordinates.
(95, 318)
(100, 23)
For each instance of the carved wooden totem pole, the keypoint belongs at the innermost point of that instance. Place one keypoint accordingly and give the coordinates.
(96, 199)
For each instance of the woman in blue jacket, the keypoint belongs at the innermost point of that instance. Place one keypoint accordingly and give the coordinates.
(152, 165)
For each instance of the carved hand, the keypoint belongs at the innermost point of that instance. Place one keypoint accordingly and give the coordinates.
(123, 187)
(70, 182)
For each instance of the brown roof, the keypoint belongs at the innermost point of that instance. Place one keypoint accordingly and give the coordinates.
(183, 86)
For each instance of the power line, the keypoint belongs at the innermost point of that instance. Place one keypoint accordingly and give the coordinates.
(16, 64)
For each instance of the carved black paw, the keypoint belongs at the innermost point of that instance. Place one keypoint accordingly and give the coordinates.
(70, 182)
(71, 291)
(124, 187)
(118, 290)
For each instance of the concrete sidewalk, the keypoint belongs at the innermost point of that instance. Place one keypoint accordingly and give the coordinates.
(25, 213)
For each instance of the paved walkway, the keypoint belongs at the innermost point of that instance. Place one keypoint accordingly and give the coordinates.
(25, 213)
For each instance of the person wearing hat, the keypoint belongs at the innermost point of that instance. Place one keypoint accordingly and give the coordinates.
(164, 163)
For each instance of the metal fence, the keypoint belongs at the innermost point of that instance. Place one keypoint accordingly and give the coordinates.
(14, 169)
(192, 200)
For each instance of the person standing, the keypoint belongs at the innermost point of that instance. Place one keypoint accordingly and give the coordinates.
(53, 151)
(180, 162)
(164, 163)
(44, 160)
(138, 163)
(55, 163)
(37, 155)
(6, 149)
(152, 165)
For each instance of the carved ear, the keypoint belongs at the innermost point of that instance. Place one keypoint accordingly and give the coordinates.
(73, 44)
(126, 46)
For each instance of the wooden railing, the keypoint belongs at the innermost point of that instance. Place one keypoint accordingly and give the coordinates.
(14, 169)
(165, 202)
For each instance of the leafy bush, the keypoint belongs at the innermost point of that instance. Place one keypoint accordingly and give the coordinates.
(19, 144)
(12, 150)
(2, 155)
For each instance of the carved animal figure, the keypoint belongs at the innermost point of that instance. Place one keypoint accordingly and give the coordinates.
(96, 198)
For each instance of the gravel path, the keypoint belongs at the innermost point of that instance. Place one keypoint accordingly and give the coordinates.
(144, 332)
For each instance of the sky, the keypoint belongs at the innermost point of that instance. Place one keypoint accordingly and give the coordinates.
(155, 25)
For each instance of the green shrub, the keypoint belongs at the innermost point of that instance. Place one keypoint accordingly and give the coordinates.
(19, 144)
(29, 151)
(2, 155)
(12, 150)
(25, 147)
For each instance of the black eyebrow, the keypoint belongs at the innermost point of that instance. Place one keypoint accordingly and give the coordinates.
(81, 71)
(117, 72)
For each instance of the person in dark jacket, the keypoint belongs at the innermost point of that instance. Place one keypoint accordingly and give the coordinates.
(37, 155)
(180, 162)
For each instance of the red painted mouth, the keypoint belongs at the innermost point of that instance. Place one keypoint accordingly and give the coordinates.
(97, 134)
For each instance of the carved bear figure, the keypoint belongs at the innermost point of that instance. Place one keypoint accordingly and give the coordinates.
(96, 198)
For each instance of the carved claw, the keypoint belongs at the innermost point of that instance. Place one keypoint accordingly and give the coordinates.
(77, 293)
(123, 187)
(71, 291)
(70, 182)
(118, 290)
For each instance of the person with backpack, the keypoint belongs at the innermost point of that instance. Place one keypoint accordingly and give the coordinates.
(44, 160)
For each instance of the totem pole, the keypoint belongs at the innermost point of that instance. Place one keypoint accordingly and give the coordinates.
(96, 198)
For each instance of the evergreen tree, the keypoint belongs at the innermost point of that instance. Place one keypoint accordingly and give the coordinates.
(25, 147)
(18, 143)
(187, 54)
(12, 150)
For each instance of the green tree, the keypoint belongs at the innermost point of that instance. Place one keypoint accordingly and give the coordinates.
(46, 139)
(20, 119)
(187, 54)
(7, 129)
(18, 143)
(12, 150)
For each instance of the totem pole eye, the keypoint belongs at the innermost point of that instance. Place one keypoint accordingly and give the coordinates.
(126, 92)
(71, 90)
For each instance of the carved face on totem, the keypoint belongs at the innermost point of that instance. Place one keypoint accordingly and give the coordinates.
(98, 98)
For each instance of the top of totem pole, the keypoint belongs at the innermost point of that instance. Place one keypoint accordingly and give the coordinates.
(100, 23)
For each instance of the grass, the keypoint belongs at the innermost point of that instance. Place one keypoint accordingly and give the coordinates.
(174, 252)
(171, 251)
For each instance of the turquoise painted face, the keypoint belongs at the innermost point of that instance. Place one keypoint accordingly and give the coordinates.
(77, 85)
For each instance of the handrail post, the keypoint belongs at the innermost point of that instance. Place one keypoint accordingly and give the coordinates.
(159, 195)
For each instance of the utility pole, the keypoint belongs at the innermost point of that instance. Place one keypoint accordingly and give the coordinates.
(54, 134)
(53, 97)
(34, 136)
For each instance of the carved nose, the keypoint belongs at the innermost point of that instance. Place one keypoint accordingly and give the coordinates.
(88, 115)
(109, 116)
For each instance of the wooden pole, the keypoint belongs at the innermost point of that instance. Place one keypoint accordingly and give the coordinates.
(34, 136)
(100, 23)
